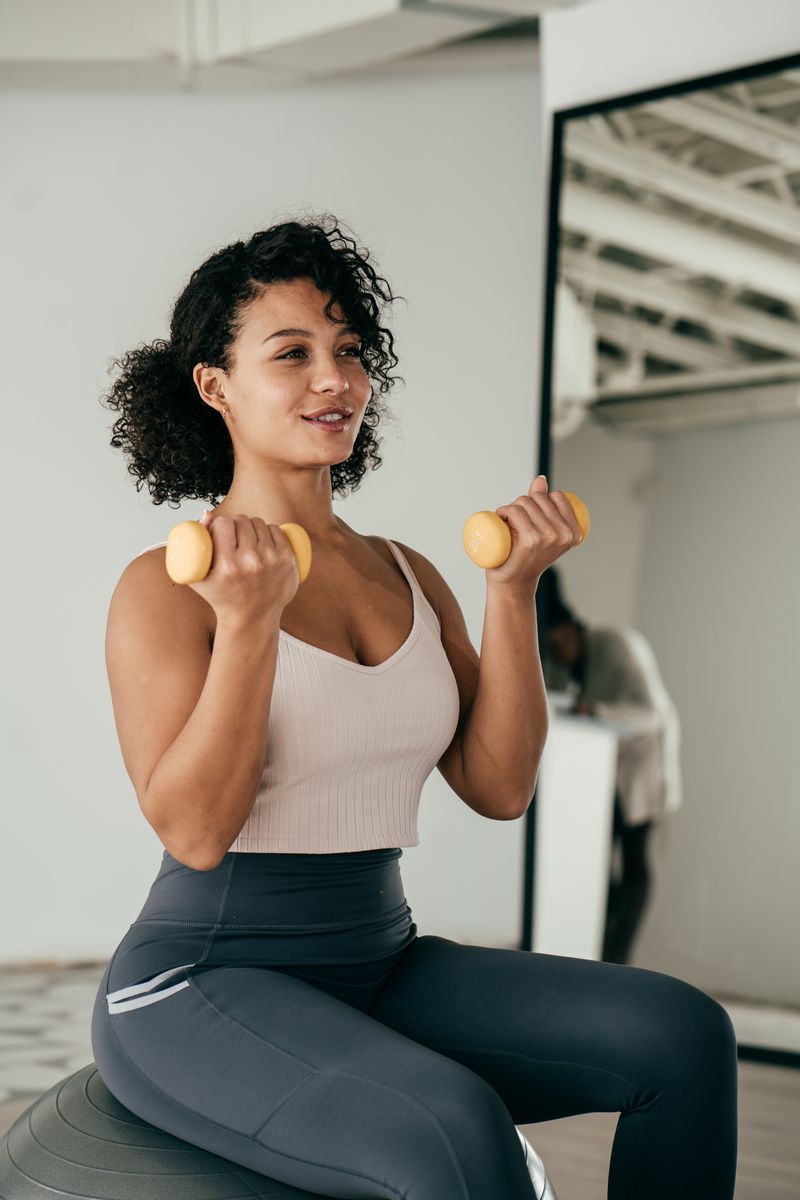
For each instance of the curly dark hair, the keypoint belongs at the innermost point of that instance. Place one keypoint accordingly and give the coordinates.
(178, 445)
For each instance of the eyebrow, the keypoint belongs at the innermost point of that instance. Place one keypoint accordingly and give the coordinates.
(302, 333)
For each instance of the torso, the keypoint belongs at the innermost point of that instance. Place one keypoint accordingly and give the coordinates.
(358, 606)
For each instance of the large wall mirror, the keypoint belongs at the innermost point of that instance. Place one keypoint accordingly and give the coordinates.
(671, 404)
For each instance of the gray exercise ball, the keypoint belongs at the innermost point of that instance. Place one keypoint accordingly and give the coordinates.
(78, 1140)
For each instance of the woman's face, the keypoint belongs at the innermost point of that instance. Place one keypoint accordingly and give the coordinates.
(279, 378)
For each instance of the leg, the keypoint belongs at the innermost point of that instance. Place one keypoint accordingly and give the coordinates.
(556, 1036)
(627, 899)
(274, 1073)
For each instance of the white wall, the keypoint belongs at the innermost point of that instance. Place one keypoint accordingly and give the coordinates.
(111, 199)
(687, 545)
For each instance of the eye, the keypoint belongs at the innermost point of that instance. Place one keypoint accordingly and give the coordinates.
(301, 350)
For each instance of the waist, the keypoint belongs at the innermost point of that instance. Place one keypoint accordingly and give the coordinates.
(279, 891)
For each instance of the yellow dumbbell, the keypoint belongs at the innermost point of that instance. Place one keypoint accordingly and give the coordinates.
(190, 549)
(487, 538)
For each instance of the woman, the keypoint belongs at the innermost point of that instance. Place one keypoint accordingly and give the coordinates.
(273, 1002)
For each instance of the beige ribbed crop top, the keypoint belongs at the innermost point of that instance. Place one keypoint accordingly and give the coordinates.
(350, 746)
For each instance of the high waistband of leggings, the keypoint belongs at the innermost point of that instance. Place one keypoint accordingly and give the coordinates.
(273, 891)
(295, 912)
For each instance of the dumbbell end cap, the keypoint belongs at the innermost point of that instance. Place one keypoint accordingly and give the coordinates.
(189, 552)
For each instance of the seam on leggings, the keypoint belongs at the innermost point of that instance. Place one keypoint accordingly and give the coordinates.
(258, 1036)
(526, 1058)
(223, 901)
(303, 1082)
(238, 1133)
(399, 909)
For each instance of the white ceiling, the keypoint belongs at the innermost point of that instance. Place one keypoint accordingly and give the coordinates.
(212, 44)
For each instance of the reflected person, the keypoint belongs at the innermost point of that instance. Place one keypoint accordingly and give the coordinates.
(612, 674)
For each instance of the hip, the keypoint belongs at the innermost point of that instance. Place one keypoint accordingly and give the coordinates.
(287, 911)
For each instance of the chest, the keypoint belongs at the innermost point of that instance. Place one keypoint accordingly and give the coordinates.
(360, 609)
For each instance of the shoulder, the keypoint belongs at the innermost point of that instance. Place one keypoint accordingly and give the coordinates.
(146, 569)
(606, 635)
(144, 593)
(624, 648)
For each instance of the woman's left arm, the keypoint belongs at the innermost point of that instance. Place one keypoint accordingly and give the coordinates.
(505, 728)
(493, 760)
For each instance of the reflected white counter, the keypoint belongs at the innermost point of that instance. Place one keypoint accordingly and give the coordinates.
(574, 825)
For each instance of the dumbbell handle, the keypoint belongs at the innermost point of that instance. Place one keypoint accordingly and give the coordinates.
(190, 549)
(487, 538)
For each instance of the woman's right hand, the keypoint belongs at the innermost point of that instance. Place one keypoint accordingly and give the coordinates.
(253, 573)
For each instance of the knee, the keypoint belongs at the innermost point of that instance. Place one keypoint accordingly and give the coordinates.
(700, 1019)
(709, 1029)
(686, 1032)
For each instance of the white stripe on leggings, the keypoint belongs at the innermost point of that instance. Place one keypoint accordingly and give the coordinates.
(118, 1003)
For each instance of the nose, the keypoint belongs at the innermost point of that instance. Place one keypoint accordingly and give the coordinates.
(332, 382)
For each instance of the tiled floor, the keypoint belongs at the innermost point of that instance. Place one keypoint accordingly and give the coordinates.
(44, 1030)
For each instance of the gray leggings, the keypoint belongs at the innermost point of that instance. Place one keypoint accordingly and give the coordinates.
(282, 1011)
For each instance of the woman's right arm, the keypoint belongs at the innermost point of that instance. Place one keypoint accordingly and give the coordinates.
(192, 720)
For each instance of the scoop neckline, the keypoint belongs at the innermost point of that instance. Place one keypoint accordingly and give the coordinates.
(399, 653)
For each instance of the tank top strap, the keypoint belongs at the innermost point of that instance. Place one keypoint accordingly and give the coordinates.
(405, 566)
(156, 544)
(414, 583)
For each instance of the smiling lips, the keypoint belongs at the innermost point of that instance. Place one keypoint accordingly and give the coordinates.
(334, 423)
(327, 412)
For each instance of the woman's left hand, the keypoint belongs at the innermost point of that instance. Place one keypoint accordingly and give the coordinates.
(542, 527)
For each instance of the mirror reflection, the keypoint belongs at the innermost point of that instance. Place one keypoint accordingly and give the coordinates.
(674, 413)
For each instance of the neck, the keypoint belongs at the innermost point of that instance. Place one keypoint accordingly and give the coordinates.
(310, 507)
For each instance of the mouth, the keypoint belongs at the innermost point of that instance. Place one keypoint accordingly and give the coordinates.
(332, 419)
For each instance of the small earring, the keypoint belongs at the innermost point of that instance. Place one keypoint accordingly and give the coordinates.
(224, 413)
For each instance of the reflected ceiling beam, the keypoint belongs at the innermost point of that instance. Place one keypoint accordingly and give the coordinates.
(668, 410)
(654, 172)
(588, 274)
(777, 99)
(774, 140)
(678, 385)
(617, 221)
(637, 337)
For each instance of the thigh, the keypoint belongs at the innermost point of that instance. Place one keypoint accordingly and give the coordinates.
(269, 1071)
(553, 1035)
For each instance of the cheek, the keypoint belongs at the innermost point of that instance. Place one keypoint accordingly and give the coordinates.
(275, 389)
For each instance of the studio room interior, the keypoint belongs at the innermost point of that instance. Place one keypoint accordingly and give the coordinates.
(400, 778)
